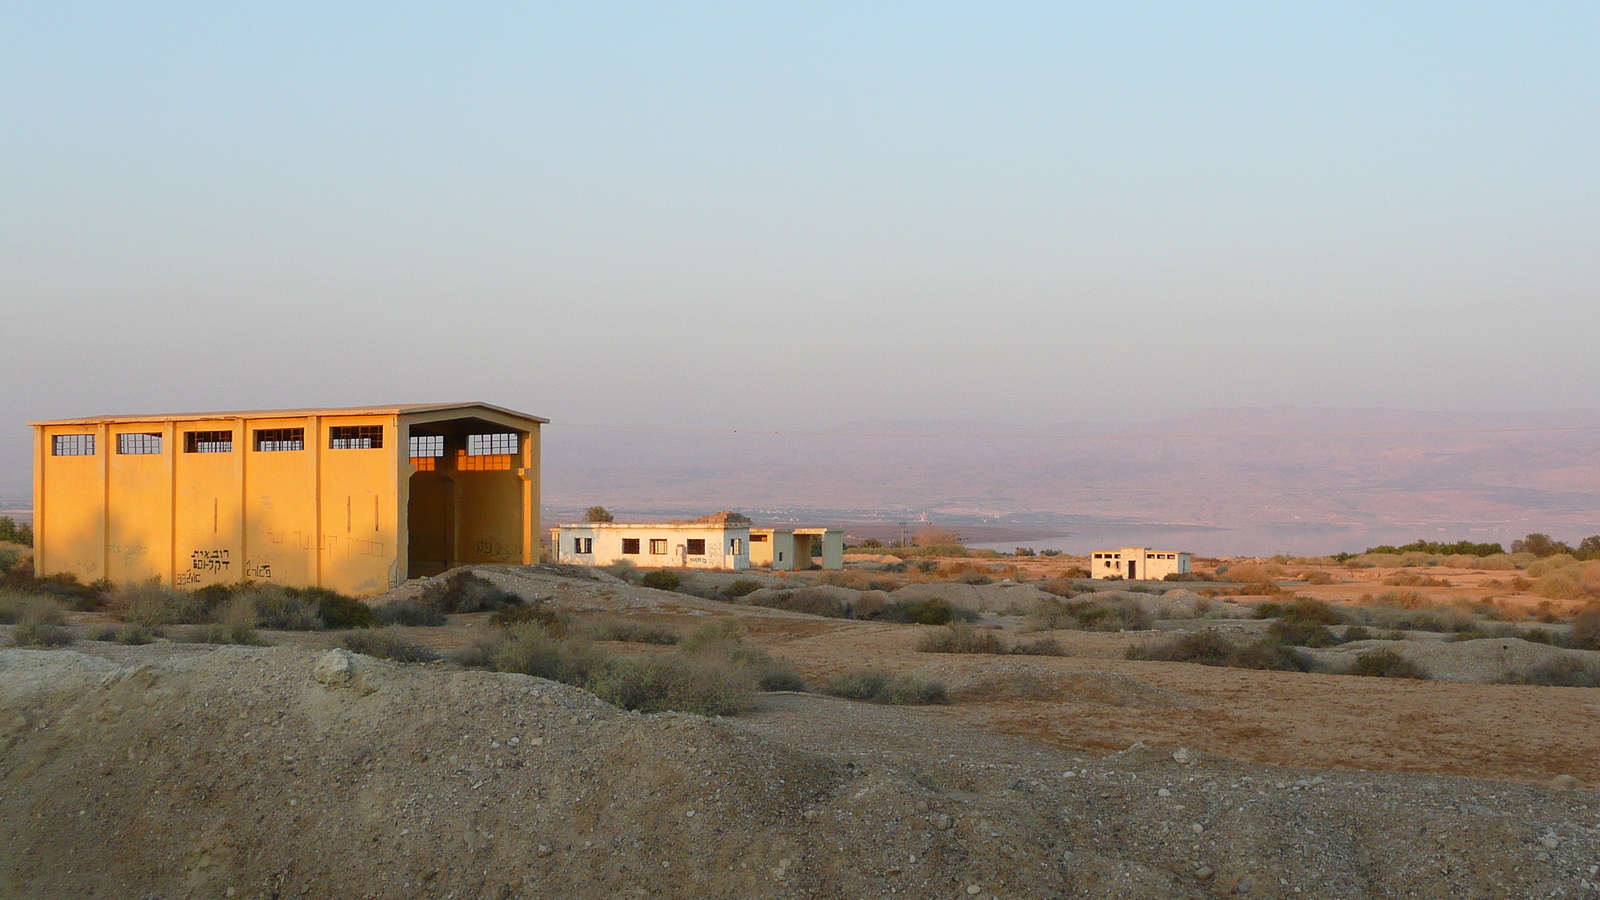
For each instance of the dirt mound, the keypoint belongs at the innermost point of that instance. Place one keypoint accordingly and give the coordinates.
(245, 772)
(1483, 661)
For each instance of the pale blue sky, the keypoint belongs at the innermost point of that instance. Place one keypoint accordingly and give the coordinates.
(796, 215)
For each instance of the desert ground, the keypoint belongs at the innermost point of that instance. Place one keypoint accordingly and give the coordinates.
(180, 769)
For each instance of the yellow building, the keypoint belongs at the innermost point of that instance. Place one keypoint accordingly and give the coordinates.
(305, 497)
(787, 549)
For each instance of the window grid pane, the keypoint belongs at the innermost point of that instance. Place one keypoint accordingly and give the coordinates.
(269, 440)
(139, 444)
(72, 445)
(355, 437)
(427, 446)
(491, 444)
(208, 442)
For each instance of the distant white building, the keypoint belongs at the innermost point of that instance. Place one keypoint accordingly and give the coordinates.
(721, 541)
(693, 545)
(1138, 563)
(787, 549)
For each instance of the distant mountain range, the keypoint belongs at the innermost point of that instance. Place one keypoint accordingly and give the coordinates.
(1370, 469)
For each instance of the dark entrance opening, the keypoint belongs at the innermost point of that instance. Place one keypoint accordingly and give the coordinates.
(1133, 570)
(466, 496)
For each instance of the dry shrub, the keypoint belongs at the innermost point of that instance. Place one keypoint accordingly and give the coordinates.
(1245, 573)
(1561, 584)
(1404, 599)
(1061, 586)
(871, 604)
(1563, 672)
(1041, 647)
(235, 624)
(961, 639)
(16, 608)
(41, 635)
(740, 588)
(150, 604)
(875, 686)
(541, 611)
(1497, 562)
(410, 613)
(132, 635)
(703, 685)
(277, 608)
(1411, 579)
(1316, 576)
(1386, 664)
(856, 580)
(387, 643)
(467, 592)
(806, 600)
(1550, 564)
(1209, 648)
(1584, 633)
(632, 633)
(1119, 614)
(1012, 686)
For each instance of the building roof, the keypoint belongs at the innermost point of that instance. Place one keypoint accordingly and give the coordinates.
(393, 410)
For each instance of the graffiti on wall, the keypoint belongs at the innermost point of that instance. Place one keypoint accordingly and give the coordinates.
(253, 569)
(130, 553)
(498, 551)
(209, 561)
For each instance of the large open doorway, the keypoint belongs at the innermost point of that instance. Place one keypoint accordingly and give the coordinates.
(467, 495)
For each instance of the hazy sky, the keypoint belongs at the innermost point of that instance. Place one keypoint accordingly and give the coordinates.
(795, 215)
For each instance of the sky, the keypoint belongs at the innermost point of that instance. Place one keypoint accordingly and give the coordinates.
(794, 215)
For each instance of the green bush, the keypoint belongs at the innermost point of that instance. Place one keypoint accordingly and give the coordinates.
(277, 608)
(532, 650)
(387, 643)
(65, 587)
(337, 610)
(661, 580)
(1357, 633)
(741, 587)
(467, 592)
(1302, 634)
(14, 532)
(1386, 664)
(874, 686)
(961, 639)
(809, 602)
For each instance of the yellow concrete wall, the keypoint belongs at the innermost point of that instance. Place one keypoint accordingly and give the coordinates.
(207, 537)
(358, 501)
(69, 506)
(319, 515)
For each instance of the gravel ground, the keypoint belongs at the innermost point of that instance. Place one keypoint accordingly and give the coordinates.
(185, 771)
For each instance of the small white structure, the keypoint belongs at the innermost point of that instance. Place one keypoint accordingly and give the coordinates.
(787, 549)
(1138, 562)
(694, 545)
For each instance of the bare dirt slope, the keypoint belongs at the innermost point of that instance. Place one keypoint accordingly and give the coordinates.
(184, 771)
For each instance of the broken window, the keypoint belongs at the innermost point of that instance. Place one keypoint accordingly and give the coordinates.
(735, 546)
(658, 546)
(72, 445)
(269, 440)
(630, 546)
(758, 539)
(208, 442)
(355, 437)
(696, 546)
(583, 545)
(139, 444)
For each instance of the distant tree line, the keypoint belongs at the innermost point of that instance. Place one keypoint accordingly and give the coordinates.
(1540, 545)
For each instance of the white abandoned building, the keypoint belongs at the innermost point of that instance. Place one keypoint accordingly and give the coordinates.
(1138, 562)
(724, 540)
